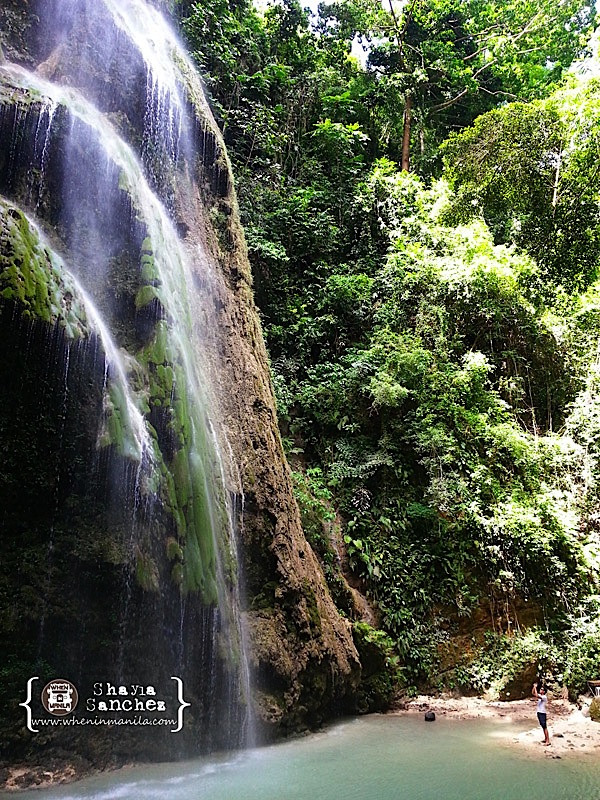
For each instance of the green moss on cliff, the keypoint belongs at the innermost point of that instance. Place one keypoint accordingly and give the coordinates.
(145, 296)
(34, 277)
(185, 453)
(146, 572)
(380, 668)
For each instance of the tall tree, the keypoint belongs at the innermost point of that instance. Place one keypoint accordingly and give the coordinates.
(447, 61)
(532, 171)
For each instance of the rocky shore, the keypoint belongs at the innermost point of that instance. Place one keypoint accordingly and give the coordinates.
(26, 776)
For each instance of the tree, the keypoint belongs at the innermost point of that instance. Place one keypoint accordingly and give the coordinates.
(448, 61)
(531, 170)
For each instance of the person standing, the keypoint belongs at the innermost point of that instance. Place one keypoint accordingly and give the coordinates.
(539, 692)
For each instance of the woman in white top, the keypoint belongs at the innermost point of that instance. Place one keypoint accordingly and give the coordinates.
(542, 702)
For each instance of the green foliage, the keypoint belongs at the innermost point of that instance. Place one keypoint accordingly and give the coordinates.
(322, 531)
(436, 432)
(446, 62)
(314, 501)
(381, 674)
(500, 659)
(430, 357)
(529, 169)
(580, 648)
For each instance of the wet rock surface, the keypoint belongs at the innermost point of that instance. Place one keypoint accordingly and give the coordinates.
(302, 657)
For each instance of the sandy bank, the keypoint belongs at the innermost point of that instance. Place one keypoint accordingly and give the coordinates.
(572, 732)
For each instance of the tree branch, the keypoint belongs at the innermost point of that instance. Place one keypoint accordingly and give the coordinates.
(527, 27)
(450, 102)
(478, 72)
(480, 34)
(476, 53)
(401, 32)
(503, 94)
(461, 94)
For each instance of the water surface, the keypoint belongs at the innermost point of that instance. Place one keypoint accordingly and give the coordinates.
(371, 758)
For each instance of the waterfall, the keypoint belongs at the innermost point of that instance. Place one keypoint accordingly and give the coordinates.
(109, 151)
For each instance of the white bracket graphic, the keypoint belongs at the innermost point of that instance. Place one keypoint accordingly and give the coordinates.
(26, 705)
(182, 704)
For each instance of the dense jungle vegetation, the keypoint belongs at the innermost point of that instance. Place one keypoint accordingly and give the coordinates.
(418, 183)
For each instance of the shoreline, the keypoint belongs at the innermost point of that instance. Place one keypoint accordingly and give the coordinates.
(572, 735)
(572, 732)
(25, 778)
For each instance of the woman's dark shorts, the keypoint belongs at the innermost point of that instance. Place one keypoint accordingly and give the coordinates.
(542, 720)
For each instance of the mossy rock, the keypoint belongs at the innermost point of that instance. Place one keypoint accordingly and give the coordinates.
(174, 550)
(145, 296)
(146, 572)
(379, 662)
(35, 277)
(147, 248)
(149, 271)
(595, 709)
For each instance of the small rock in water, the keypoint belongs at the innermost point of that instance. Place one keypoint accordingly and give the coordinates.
(430, 716)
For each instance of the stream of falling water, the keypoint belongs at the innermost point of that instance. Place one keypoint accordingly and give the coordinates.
(103, 182)
(42, 134)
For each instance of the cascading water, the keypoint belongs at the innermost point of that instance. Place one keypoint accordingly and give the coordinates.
(109, 153)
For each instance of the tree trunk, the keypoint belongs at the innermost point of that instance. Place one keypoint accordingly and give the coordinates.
(556, 182)
(406, 134)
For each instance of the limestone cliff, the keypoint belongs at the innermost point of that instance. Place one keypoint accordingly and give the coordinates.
(66, 541)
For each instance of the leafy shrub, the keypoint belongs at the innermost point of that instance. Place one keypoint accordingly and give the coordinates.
(580, 648)
(502, 659)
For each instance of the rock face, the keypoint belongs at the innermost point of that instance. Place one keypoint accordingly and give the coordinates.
(101, 548)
